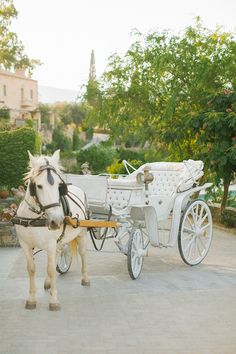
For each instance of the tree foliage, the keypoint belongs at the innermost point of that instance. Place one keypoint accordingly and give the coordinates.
(12, 53)
(161, 93)
(162, 79)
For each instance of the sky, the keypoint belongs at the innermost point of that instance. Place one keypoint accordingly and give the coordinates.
(62, 34)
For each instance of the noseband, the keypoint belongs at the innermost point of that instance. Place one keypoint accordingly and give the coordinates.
(33, 191)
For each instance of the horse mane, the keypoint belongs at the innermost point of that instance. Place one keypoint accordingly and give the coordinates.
(41, 161)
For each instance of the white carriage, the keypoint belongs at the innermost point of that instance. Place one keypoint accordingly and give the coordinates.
(156, 194)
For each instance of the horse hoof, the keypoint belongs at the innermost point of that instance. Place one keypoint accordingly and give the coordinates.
(85, 283)
(30, 305)
(54, 307)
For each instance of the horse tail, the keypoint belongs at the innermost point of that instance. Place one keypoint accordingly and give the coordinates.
(74, 247)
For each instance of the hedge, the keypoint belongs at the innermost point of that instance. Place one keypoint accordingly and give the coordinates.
(98, 157)
(13, 154)
(228, 217)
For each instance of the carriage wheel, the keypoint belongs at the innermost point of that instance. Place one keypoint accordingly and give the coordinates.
(64, 260)
(195, 232)
(135, 253)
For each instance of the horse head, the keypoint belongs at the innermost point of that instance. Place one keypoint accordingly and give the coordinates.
(46, 185)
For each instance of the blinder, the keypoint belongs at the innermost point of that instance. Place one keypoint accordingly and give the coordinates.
(63, 189)
(32, 189)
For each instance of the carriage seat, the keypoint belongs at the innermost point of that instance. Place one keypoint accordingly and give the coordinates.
(170, 177)
(122, 193)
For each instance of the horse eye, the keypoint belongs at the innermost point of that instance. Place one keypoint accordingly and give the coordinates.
(40, 186)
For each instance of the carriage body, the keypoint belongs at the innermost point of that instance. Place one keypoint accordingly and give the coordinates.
(141, 209)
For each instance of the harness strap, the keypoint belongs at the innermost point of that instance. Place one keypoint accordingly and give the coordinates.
(29, 222)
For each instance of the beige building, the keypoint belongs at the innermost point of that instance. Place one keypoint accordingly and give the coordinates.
(19, 94)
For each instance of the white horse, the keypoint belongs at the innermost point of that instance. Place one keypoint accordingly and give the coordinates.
(42, 206)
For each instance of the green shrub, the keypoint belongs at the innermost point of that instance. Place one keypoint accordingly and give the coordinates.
(228, 217)
(13, 154)
(215, 195)
(144, 155)
(117, 167)
(98, 157)
(128, 155)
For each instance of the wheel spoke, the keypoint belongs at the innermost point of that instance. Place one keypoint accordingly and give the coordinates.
(189, 245)
(203, 246)
(187, 236)
(191, 248)
(203, 219)
(201, 212)
(188, 230)
(205, 227)
(197, 212)
(194, 216)
(191, 224)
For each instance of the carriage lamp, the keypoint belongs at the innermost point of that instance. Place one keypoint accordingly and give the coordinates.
(145, 177)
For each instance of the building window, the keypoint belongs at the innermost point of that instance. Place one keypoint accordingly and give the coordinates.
(31, 94)
(22, 94)
(4, 90)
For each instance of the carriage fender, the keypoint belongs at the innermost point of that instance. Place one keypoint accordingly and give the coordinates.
(177, 210)
(148, 213)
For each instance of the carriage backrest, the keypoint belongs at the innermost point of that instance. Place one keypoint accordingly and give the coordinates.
(123, 193)
(171, 177)
(95, 187)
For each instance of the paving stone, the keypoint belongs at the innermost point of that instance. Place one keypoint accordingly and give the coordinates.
(170, 309)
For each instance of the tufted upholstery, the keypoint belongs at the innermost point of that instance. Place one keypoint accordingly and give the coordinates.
(124, 193)
(172, 176)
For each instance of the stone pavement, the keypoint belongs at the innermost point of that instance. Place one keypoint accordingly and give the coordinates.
(172, 308)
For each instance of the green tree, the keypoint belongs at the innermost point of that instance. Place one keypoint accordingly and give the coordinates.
(59, 141)
(161, 82)
(45, 110)
(75, 141)
(70, 112)
(98, 156)
(215, 130)
(12, 53)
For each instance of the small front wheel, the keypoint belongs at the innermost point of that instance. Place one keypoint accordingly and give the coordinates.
(195, 232)
(135, 253)
(64, 260)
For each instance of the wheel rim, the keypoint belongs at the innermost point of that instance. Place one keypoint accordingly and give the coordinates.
(196, 232)
(137, 253)
(64, 259)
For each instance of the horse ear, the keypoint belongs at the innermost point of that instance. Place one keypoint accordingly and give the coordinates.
(32, 159)
(56, 156)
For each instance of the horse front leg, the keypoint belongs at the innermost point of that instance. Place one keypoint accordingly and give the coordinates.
(83, 254)
(31, 301)
(54, 304)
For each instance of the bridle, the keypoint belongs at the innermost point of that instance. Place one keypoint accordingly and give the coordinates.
(41, 220)
(63, 190)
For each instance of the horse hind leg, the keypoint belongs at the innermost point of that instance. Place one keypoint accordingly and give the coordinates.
(83, 254)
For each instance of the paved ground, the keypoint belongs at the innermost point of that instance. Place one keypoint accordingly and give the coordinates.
(172, 308)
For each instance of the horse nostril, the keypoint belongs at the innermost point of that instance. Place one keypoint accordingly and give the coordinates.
(53, 224)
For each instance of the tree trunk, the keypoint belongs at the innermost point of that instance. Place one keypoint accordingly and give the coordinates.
(225, 195)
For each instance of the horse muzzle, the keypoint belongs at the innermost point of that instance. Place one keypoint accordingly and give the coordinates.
(54, 225)
(55, 220)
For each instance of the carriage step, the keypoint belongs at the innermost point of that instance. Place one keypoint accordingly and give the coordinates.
(74, 222)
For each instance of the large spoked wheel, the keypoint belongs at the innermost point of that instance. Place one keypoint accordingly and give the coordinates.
(195, 232)
(64, 260)
(135, 253)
